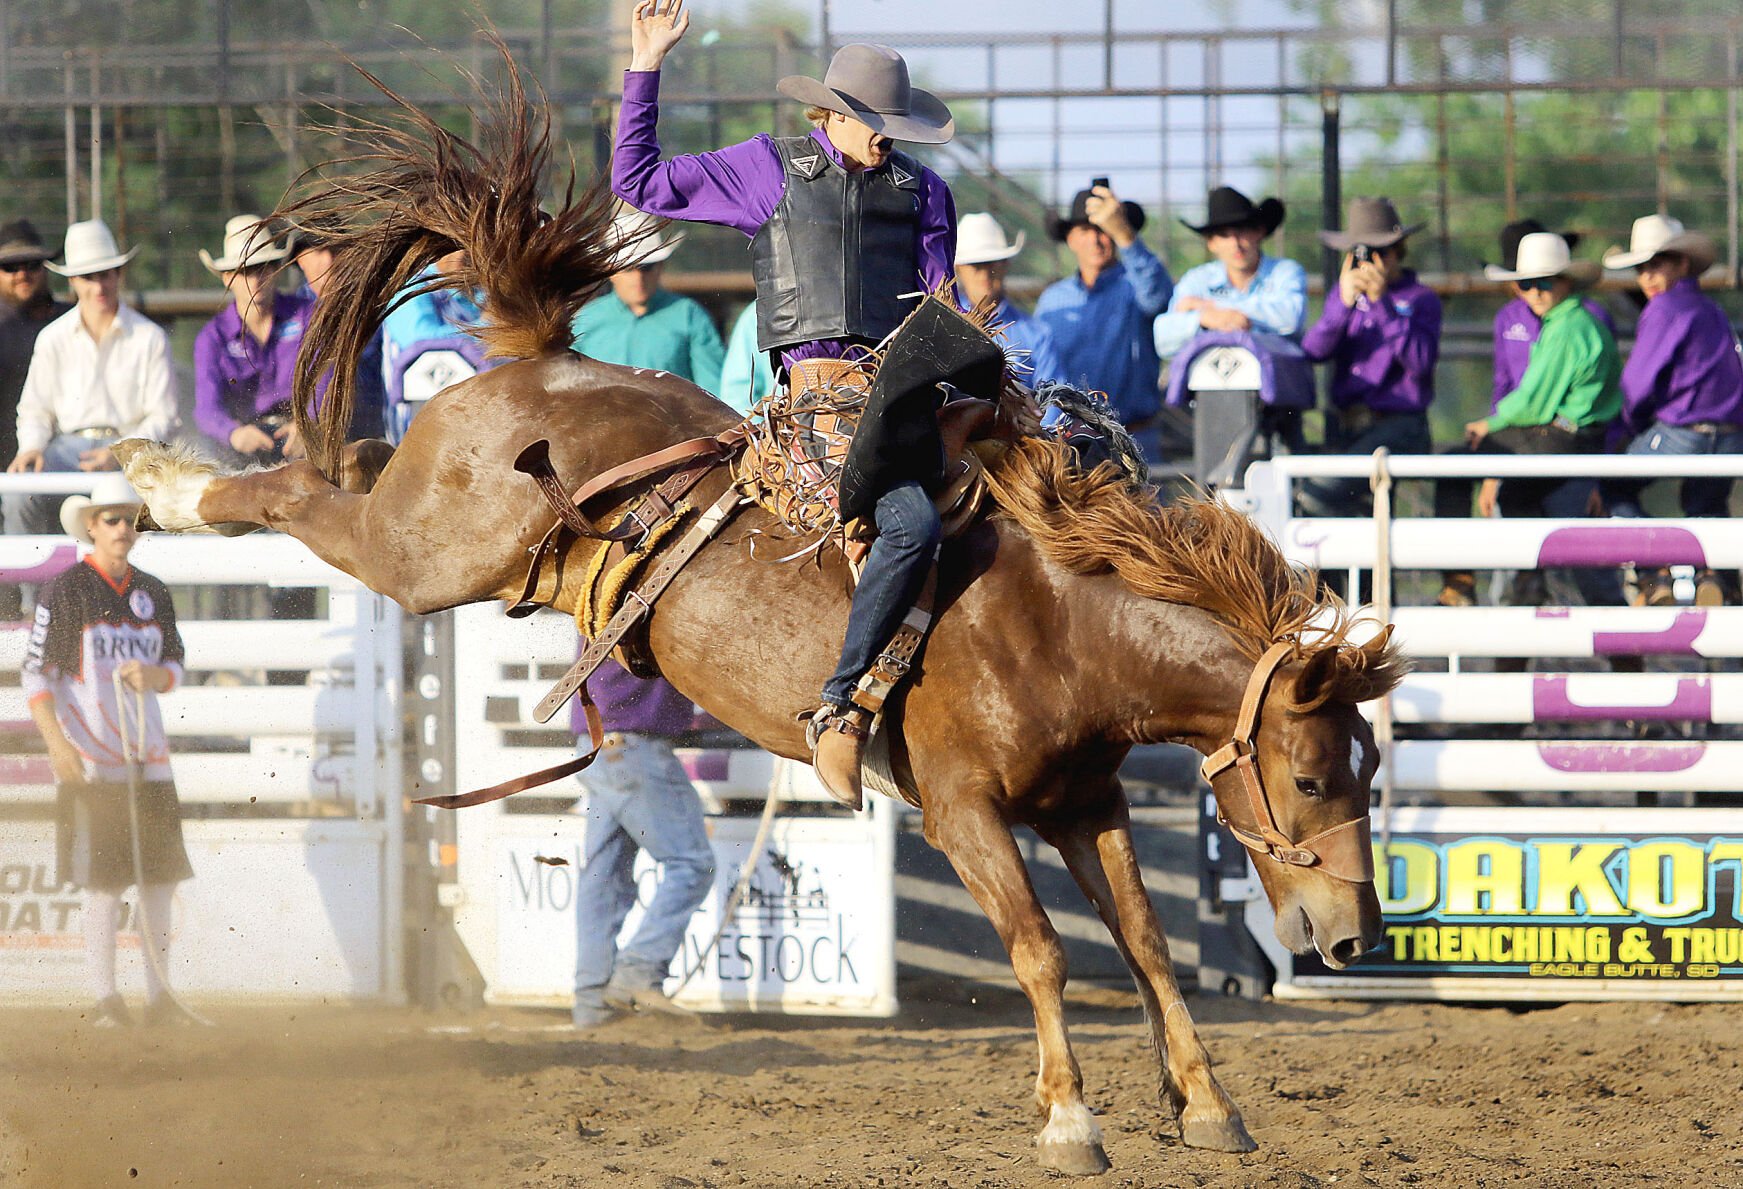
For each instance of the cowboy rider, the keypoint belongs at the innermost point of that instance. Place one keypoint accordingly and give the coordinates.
(846, 233)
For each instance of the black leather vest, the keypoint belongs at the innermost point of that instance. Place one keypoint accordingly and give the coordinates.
(840, 249)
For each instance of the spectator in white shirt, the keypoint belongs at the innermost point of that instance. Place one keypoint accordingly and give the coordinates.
(100, 372)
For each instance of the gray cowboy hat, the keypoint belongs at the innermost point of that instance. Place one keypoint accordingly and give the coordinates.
(870, 83)
(21, 244)
(1372, 222)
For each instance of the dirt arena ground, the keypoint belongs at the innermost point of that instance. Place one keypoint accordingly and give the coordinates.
(1346, 1094)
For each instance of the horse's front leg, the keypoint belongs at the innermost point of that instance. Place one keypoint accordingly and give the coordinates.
(970, 830)
(1101, 858)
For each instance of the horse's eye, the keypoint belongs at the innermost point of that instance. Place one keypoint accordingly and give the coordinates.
(1310, 786)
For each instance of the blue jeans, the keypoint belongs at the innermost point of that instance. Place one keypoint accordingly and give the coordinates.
(1700, 497)
(41, 513)
(636, 797)
(908, 536)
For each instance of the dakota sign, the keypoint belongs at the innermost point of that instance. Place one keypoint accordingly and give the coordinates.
(1530, 905)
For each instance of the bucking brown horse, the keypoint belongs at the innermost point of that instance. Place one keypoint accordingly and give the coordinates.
(1079, 619)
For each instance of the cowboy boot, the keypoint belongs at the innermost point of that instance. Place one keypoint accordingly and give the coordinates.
(837, 737)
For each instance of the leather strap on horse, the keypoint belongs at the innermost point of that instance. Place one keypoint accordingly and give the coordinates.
(532, 780)
(893, 663)
(1345, 851)
(639, 602)
(700, 455)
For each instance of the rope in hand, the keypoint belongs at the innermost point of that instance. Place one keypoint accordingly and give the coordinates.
(133, 753)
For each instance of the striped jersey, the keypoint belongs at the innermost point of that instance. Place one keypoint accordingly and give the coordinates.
(86, 627)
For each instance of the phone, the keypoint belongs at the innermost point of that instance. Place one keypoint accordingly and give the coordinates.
(1103, 182)
(1361, 253)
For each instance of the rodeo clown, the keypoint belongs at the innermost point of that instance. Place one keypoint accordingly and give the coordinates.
(98, 623)
(846, 233)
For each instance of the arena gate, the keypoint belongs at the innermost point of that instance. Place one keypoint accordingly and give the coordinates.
(1604, 858)
(286, 750)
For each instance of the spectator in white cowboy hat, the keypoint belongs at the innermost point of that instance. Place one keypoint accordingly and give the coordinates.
(1516, 326)
(983, 258)
(640, 323)
(246, 357)
(1682, 389)
(100, 620)
(101, 372)
(1241, 288)
(1381, 333)
(1564, 404)
(1101, 315)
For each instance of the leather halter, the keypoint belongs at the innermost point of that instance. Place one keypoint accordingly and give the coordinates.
(1346, 851)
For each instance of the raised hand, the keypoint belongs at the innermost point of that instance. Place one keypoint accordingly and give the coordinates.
(655, 27)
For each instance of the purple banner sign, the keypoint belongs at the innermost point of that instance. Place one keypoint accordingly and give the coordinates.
(1615, 545)
(1693, 702)
(1678, 638)
(60, 558)
(1621, 757)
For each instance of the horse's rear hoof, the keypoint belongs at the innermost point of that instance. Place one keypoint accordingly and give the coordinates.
(124, 450)
(1074, 1160)
(1217, 1135)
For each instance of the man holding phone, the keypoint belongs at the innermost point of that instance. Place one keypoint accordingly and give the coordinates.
(1381, 333)
(1100, 318)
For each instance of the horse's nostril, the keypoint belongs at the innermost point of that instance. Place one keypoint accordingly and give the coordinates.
(1348, 950)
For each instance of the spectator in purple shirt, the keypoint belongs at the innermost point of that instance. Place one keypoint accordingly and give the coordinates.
(1682, 387)
(245, 358)
(1516, 326)
(846, 231)
(1381, 333)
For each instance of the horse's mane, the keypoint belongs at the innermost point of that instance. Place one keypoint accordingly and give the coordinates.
(416, 193)
(1196, 551)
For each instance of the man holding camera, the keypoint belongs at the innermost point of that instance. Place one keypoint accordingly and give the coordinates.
(1100, 317)
(1381, 333)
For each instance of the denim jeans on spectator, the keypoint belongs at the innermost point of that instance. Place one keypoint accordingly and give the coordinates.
(895, 570)
(1554, 498)
(41, 514)
(1700, 496)
(1401, 433)
(637, 797)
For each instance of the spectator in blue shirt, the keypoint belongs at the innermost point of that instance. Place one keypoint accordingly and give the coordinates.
(1241, 288)
(745, 374)
(983, 257)
(1100, 317)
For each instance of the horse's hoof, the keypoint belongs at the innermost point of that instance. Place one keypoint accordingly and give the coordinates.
(1074, 1159)
(1217, 1135)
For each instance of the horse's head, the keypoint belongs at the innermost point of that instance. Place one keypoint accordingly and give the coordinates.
(1293, 786)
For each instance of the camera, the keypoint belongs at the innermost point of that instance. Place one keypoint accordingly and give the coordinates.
(1361, 253)
(1103, 182)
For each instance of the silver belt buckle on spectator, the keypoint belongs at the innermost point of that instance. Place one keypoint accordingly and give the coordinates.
(95, 431)
(1565, 424)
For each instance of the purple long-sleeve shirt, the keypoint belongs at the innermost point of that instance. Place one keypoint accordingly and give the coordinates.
(741, 185)
(237, 377)
(1382, 352)
(1516, 328)
(648, 706)
(1684, 367)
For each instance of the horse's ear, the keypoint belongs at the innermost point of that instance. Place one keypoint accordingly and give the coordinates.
(1314, 684)
(1379, 668)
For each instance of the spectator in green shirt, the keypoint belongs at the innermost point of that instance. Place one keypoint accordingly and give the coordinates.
(639, 324)
(1564, 404)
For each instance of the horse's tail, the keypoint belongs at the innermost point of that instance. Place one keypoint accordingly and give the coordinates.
(416, 193)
